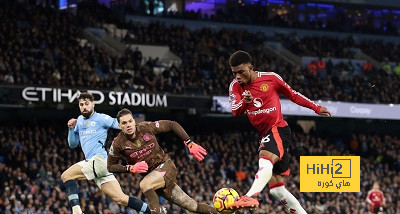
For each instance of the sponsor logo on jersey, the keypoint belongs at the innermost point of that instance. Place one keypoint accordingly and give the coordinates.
(262, 111)
(87, 124)
(91, 131)
(143, 152)
(257, 102)
(264, 87)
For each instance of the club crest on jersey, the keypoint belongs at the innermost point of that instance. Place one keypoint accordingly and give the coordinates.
(264, 87)
(138, 143)
(146, 137)
(93, 123)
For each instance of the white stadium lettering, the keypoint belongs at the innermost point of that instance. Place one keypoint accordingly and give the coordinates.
(136, 99)
(358, 110)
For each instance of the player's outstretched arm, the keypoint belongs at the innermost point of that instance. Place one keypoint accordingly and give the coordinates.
(298, 98)
(196, 150)
(73, 137)
(162, 126)
(323, 111)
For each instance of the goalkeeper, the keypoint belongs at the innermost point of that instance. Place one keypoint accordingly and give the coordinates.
(137, 144)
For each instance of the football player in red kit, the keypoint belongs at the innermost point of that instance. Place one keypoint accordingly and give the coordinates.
(257, 95)
(376, 199)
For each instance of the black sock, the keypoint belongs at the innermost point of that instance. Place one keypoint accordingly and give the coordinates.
(138, 205)
(71, 187)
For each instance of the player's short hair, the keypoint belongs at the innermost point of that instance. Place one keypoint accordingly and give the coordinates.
(239, 57)
(86, 95)
(122, 113)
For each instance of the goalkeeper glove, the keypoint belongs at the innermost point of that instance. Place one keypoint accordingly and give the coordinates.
(139, 167)
(197, 151)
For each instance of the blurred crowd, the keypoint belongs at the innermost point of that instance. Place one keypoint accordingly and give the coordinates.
(340, 18)
(324, 46)
(32, 159)
(41, 46)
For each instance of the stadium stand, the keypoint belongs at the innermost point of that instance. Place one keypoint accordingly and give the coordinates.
(49, 59)
(296, 14)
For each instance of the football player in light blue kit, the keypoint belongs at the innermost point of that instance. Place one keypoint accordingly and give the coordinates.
(90, 129)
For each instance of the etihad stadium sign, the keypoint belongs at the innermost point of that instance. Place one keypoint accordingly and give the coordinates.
(12, 96)
(58, 95)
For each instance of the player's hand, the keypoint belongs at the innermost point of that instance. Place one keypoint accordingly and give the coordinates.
(324, 112)
(197, 151)
(139, 167)
(71, 123)
(247, 97)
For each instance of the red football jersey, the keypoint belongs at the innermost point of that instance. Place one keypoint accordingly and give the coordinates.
(375, 198)
(265, 110)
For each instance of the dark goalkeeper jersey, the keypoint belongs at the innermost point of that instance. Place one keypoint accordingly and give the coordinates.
(144, 147)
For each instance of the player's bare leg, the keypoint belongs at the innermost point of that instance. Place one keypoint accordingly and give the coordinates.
(69, 178)
(114, 191)
(151, 182)
(278, 190)
(265, 165)
(180, 198)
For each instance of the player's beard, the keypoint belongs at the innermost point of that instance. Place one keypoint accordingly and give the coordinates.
(87, 114)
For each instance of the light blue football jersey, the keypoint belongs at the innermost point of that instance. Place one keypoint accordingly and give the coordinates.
(92, 134)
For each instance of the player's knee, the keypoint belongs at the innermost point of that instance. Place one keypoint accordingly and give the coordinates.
(65, 177)
(277, 190)
(268, 155)
(119, 200)
(144, 185)
(192, 209)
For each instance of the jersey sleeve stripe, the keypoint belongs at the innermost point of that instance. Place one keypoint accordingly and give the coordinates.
(236, 106)
(232, 83)
(295, 92)
(273, 73)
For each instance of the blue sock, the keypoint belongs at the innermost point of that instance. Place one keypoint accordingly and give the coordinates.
(138, 205)
(71, 187)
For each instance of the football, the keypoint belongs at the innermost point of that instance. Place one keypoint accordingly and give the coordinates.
(223, 198)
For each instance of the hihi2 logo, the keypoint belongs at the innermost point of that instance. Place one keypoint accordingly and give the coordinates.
(329, 174)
